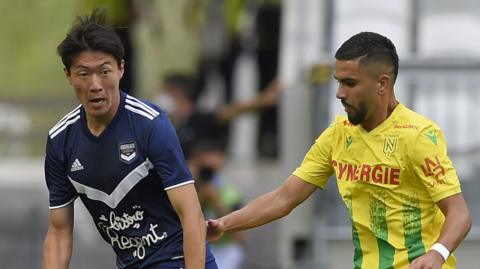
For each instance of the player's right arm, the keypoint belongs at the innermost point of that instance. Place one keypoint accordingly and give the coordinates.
(313, 173)
(59, 238)
(264, 209)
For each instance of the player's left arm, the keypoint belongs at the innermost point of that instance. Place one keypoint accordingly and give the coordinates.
(456, 226)
(457, 221)
(185, 201)
(435, 169)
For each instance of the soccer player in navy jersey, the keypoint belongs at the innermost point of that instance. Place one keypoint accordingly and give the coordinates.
(122, 157)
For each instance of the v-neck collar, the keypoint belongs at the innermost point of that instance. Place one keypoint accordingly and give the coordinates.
(385, 123)
(110, 125)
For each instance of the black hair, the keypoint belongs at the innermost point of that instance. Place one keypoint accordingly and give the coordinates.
(90, 33)
(370, 47)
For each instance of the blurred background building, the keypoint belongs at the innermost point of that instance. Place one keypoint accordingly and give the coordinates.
(233, 49)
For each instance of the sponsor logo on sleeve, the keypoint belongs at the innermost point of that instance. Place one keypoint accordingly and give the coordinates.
(434, 168)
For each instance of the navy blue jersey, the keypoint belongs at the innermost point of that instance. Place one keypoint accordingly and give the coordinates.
(122, 177)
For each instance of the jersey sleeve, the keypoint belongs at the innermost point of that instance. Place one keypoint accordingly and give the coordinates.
(165, 153)
(316, 166)
(432, 165)
(61, 191)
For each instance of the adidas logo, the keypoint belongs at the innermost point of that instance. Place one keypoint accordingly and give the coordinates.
(76, 165)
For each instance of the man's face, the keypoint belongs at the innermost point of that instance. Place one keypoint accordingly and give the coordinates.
(356, 90)
(95, 76)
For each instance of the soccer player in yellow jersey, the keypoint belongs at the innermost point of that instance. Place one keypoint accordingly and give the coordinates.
(391, 165)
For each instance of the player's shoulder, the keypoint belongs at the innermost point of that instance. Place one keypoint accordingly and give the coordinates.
(141, 109)
(341, 121)
(408, 119)
(67, 121)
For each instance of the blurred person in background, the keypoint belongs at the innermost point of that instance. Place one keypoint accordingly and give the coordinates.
(121, 156)
(179, 96)
(393, 173)
(236, 29)
(217, 198)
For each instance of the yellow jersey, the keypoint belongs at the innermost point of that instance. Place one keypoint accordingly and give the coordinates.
(389, 179)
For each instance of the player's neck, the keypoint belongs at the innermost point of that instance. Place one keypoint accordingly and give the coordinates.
(96, 125)
(392, 104)
(380, 116)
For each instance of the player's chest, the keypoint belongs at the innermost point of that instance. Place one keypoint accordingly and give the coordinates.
(103, 165)
(377, 160)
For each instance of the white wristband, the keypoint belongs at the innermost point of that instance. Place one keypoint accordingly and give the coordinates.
(442, 250)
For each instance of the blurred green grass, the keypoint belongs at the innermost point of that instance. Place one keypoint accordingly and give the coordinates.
(30, 31)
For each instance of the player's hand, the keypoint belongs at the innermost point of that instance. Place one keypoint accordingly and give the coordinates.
(430, 260)
(215, 229)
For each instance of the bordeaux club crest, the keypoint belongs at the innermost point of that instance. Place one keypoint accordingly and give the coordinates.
(128, 151)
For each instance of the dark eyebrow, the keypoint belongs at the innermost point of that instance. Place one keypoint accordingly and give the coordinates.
(105, 63)
(346, 80)
(86, 67)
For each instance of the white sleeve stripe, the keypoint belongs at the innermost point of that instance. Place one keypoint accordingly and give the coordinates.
(142, 104)
(67, 203)
(63, 120)
(139, 107)
(67, 116)
(141, 112)
(179, 185)
(70, 122)
(131, 98)
(71, 112)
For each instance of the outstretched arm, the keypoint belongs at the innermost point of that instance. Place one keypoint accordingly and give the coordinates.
(268, 98)
(59, 238)
(456, 226)
(264, 209)
(185, 201)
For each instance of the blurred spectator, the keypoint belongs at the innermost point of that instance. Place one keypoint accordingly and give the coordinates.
(217, 199)
(178, 98)
(267, 33)
(244, 27)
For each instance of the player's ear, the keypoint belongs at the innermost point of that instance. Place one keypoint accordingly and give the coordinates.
(122, 67)
(383, 84)
(67, 75)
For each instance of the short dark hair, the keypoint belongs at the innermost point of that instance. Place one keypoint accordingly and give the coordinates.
(90, 33)
(372, 47)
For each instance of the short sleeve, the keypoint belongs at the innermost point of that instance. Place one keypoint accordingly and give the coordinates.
(165, 153)
(432, 165)
(316, 166)
(61, 191)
